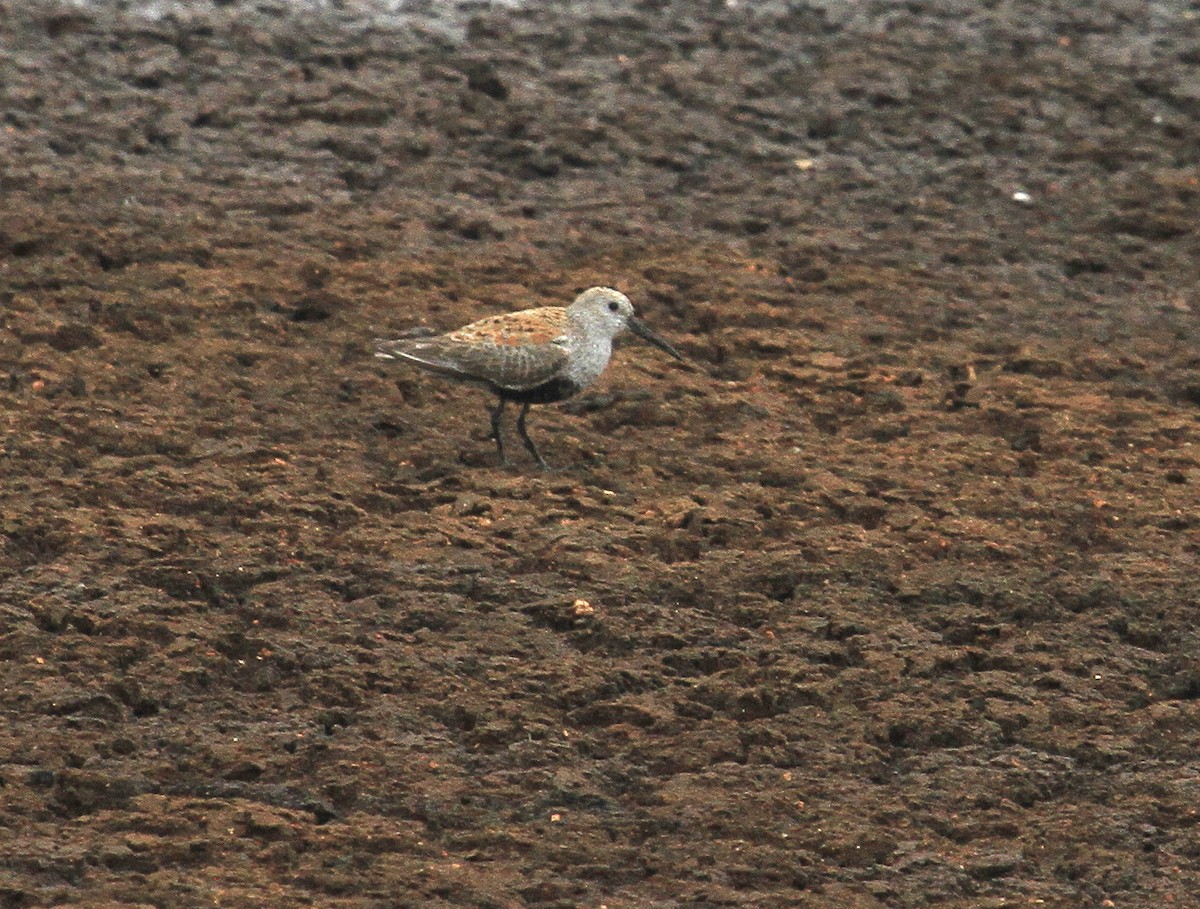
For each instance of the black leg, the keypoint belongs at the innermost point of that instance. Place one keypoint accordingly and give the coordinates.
(496, 414)
(528, 441)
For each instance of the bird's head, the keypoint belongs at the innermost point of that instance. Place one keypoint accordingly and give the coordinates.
(609, 312)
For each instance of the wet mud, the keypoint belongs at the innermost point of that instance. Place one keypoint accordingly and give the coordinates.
(888, 601)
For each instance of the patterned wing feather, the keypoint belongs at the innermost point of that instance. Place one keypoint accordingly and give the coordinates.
(515, 351)
(532, 327)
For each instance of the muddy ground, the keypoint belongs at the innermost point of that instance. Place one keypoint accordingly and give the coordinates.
(891, 601)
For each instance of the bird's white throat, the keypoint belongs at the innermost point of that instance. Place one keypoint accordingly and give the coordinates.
(587, 357)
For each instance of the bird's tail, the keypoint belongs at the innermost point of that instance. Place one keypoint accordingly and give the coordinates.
(391, 348)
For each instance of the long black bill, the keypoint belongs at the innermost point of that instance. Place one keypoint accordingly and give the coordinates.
(639, 329)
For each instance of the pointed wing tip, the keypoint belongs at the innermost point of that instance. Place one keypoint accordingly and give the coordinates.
(386, 348)
(425, 359)
(395, 348)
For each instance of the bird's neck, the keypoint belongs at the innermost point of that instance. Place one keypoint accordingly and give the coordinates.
(589, 357)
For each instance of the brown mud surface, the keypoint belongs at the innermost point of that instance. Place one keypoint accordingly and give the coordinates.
(891, 603)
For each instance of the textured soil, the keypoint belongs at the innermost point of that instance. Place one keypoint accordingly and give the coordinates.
(890, 600)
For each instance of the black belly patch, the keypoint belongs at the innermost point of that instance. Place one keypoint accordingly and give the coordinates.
(558, 389)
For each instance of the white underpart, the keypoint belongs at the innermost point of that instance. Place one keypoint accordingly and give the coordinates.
(587, 357)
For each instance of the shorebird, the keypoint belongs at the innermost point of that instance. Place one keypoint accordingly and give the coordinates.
(534, 356)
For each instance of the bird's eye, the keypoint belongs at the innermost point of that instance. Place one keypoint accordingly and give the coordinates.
(613, 306)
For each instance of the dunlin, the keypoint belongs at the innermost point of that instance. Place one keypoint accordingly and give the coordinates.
(535, 356)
